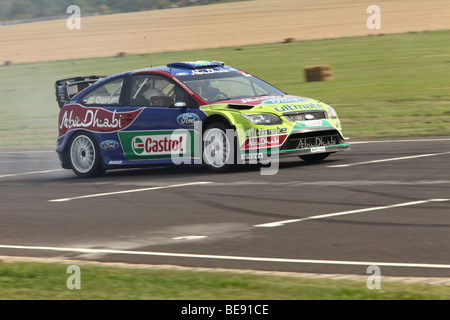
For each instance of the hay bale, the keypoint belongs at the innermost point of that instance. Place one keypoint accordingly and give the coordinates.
(318, 73)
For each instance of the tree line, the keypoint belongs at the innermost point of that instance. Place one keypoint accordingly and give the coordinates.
(32, 9)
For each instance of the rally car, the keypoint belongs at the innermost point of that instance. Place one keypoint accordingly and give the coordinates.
(197, 112)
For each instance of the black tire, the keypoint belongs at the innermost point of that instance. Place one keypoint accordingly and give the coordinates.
(83, 155)
(219, 151)
(315, 157)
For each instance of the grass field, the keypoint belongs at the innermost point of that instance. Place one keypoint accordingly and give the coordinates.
(45, 281)
(384, 86)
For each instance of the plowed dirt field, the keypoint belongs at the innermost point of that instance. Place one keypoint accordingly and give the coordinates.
(213, 26)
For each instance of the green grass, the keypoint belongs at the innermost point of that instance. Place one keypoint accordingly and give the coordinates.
(45, 281)
(384, 86)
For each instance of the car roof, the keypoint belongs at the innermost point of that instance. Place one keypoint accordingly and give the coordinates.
(187, 67)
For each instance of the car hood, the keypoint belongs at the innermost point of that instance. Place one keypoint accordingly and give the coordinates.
(272, 104)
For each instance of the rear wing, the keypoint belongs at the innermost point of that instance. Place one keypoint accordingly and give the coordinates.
(65, 89)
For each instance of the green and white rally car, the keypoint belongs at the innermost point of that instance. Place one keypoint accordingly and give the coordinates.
(198, 112)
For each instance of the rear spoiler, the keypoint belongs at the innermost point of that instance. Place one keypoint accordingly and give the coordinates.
(65, 89)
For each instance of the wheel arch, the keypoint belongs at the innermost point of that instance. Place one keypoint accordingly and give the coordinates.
(216, 118)
(70, 136)
(63, 147)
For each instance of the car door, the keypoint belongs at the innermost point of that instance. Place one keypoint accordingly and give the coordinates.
(103, 115)
(165, 131)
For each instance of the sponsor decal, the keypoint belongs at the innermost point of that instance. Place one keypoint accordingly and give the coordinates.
(203, 71)
(308, 124)
(256, 99)
(109, 145)
(187, 119)
(313, 123)
(94, 119)
(264, 138)
(265, 132)
(115, 162)
(295, 107)
(284, 100)
(102, 100)
(159, 144)
(263, 142)
(317, 144)
(210, 71)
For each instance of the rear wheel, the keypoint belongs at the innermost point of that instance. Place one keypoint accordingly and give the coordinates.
(218, 147)
(84, 157)
(315, 157)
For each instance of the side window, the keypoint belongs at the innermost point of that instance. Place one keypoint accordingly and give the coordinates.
(157, 91)
(107, 94)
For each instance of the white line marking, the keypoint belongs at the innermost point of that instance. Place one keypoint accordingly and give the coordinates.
(405, 204)
(31, 172)
(27, 151)
(128, 191)
(222, 257)
(189, 237)
(386, 160)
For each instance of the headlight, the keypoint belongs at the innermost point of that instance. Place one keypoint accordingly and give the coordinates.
(262, 118)
(332, 113)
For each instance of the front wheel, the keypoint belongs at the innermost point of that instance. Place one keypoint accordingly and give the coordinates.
(218, 147)
(315, 157)
(84, 157)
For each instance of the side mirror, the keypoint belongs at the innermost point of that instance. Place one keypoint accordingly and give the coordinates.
(179, 105)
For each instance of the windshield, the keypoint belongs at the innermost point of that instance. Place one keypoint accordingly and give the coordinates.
(214, 87)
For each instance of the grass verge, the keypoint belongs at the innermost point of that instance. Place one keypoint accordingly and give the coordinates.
(48, 281)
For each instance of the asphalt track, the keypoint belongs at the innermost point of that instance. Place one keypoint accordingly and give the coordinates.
(384, 203)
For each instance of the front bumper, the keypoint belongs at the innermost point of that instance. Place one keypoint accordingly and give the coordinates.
(299, 143)
(273, 154)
